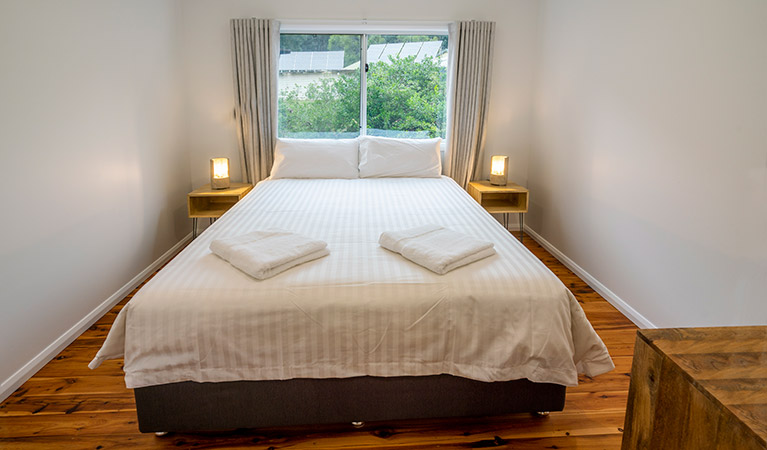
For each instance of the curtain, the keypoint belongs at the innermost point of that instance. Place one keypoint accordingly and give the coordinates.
(471, 62)
(255, 52)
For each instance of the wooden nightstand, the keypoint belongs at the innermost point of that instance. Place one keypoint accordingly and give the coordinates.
(511, 198)
(213, 203)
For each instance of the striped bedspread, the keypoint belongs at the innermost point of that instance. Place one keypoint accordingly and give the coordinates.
(362, 310)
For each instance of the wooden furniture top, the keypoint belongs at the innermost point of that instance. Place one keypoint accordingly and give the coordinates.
(511, 198)
(235, 189)
(727, 364)
(213, 203)
(484, 186)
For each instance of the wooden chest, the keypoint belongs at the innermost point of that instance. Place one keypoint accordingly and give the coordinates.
(698, 388)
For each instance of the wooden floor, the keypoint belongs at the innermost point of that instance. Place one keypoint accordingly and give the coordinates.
(67, 406)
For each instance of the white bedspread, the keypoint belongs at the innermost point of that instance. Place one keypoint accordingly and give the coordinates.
(360, 311)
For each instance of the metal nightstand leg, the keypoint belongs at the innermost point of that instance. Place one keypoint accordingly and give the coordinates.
(521, 226)
(194, 227)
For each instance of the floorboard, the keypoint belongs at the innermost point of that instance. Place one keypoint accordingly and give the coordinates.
(67, 406)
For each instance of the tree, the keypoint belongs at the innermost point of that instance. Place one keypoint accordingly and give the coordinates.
(402, 95)
(349, 43)
(304, 42)
(407, 95)
(327, 106)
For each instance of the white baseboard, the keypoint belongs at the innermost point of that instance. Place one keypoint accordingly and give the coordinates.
(632, 314)
(13, 382)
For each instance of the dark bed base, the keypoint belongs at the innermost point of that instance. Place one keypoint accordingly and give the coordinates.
(191, 406)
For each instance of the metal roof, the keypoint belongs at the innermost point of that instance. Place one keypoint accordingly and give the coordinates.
(312, 61)
(334, 60)
(382, 52)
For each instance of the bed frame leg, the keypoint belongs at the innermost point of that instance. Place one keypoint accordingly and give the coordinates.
(161, 433)
(541, 413)
(358, 424)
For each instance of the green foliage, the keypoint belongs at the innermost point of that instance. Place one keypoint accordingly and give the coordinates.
(329, 105)
(305, 42)
(402, 95)
(406, 95)
(349, 43)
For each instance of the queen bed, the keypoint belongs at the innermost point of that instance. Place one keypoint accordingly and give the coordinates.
(362, 334)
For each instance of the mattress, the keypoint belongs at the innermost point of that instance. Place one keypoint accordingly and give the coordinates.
(362, 310)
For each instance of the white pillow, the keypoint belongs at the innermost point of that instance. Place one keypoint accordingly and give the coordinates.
(388, 157)
(316, 158)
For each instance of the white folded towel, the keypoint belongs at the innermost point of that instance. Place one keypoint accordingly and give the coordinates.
(436, 248)
(264, 254)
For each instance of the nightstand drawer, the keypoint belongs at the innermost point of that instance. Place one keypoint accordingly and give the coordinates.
(504, 203)
(511, 198)
(207, 203)
(206, 207)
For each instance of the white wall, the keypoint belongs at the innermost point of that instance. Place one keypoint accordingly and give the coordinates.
(650, 163)
(93, 176)
(209, 75)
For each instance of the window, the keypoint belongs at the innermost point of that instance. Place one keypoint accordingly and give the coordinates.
(325, 91)
(319, 86)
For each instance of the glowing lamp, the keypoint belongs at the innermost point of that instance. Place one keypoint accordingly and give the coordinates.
(219, 173)
(499, 168)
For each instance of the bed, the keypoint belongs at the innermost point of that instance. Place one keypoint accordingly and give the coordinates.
(360, 335)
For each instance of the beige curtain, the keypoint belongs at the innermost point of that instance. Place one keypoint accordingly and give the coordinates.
(255, 52)
(471, 62)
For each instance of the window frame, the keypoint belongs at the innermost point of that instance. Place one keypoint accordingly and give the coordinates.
(364, 29)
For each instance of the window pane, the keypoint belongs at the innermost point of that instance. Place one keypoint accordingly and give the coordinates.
(406, 85)
(319, 86)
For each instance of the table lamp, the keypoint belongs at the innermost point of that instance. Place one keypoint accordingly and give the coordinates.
(499, 168)
(219, 173)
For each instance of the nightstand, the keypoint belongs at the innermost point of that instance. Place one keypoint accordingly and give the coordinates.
(511, 198)
(213, 203)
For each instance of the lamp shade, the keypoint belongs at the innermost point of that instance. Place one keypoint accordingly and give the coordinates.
(219, 173)
(499, 169)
